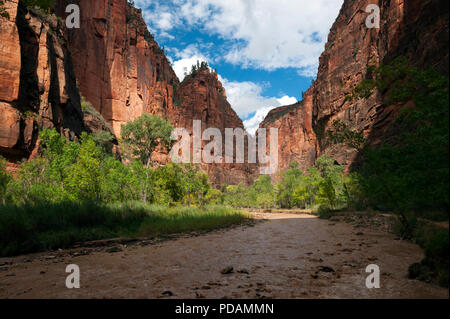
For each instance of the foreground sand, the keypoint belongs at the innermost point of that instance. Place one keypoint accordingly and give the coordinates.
(279, 258)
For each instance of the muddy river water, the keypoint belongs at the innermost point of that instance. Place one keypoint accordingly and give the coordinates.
(287, 256)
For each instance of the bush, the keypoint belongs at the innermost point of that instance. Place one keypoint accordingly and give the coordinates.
(325, 212)
(46, 5)
(88, 109)
(435, 242)
(3, 12)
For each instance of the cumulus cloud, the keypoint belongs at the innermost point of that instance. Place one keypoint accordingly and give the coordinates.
(287, 100)
(246, 97)
(252, 124)
(266, 34)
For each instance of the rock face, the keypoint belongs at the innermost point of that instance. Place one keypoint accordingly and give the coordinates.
(296, 137)
(202, 97)
(415, 29)
(120, 69)
(123, 72)
(38, 86)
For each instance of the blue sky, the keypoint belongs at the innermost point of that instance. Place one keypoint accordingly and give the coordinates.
(265, 51)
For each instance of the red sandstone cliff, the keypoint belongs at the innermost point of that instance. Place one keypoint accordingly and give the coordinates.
(202, 97)
(38, 87)
(120, 69)
(123, 72)
(114, 62)
(415, 29)
(296, 137)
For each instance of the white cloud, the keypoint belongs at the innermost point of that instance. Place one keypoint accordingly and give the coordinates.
(246, 97)
(266, 34)
(252, 124)
(287, 100)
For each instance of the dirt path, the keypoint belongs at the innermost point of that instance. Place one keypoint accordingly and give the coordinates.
(280, 258)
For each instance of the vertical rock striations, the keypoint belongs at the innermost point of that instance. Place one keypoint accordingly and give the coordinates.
(124, 73)
(417, 30)
(201, 96)
(121, 70)
(38, 83)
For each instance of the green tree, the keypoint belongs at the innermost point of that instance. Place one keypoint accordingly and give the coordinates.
(214, 197)
(195, 184)
(118, 182)
(410, 171)
(305, 195)
(203, 187)
(83, 180)
(261, 193)
(105, 140)
(353, 191)
(291, 179)
(331, 184)
(235, 195)
(140, 138)
(72, 171)
(46, 5)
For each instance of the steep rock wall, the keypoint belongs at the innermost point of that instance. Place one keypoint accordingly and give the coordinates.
(124, 73)
(120, 69)
(417, 30)
(38, 86)
(202, 97)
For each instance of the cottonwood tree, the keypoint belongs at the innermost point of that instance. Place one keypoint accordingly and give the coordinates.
(141, 137)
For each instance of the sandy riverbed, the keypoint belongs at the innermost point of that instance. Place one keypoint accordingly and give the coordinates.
(282, 257)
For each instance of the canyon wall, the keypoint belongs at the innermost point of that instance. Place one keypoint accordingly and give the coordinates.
(120, 69)
(417, 30)
(202, 97)
(38, 86)
(297, 140)
(124, 73)
(114, 63)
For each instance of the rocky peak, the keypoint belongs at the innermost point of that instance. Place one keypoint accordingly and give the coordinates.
(201, 96)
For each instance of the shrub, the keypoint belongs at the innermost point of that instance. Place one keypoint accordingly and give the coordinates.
(3, 12)
(46, 5)
(435, 242)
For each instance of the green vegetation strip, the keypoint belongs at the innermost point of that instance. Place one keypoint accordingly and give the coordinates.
(32, 228)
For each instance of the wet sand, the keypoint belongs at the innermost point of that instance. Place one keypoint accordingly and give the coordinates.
(283, 257)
